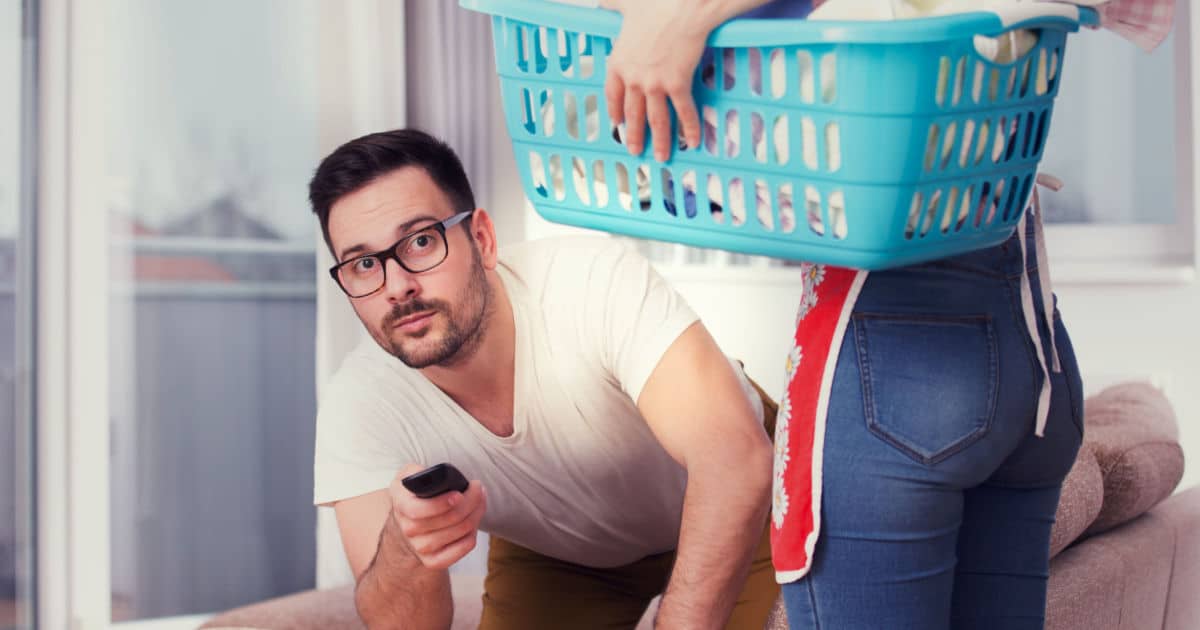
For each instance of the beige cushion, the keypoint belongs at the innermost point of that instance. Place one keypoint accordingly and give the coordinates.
(1131, 428)
(1080, 502)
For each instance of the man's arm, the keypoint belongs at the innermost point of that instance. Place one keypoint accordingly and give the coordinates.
(399, 547)
(695, 404)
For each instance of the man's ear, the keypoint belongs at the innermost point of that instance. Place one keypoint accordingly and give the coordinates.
(483, 233)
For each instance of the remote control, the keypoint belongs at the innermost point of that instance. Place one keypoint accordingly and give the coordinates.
(435, 480)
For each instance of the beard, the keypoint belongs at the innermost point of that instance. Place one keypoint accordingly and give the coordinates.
(437, 345)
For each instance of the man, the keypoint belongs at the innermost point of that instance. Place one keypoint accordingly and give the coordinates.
(614, 451)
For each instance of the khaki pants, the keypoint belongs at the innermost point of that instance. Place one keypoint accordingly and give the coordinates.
(525, 590)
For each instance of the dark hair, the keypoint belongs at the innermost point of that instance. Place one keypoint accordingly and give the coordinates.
(362, 160)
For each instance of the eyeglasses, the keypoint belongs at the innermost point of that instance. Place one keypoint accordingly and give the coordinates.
(416, 252)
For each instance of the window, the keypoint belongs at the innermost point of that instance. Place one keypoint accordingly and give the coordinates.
(213, 131)
(1123, 142)
(1114, 134)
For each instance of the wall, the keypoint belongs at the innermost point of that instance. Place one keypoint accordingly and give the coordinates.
(1142, 332)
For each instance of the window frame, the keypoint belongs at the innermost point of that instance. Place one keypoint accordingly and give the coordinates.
(73, 524)
(25, 324)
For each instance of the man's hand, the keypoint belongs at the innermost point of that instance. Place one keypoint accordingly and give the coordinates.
(441, 530)
(399, 547)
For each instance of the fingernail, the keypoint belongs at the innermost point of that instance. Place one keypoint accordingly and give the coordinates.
(453, 499)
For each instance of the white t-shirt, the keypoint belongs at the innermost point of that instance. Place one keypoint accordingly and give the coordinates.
(582, 478)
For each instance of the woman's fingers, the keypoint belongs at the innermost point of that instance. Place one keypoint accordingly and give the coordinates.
(614, 93)
(635, 120)
(689, 119)
(659, 117)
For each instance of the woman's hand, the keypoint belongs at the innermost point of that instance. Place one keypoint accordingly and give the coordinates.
(653, 60)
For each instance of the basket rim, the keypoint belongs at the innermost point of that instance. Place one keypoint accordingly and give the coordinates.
(747, 32)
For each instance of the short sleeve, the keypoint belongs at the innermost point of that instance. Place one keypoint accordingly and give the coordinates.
(636, 315)
(357, 451)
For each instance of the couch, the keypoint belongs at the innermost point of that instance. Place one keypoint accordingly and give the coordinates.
(1125, 549)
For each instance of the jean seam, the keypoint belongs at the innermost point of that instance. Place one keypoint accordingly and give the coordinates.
(812, 604)
(880, 431)
(1072, 395)
(1035, 370)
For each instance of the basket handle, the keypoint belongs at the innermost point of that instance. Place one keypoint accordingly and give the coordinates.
(757, 33)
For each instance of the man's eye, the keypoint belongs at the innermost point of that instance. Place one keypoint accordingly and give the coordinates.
(420, 245)
(364, 265)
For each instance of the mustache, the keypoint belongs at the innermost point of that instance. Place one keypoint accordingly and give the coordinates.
(412, 307)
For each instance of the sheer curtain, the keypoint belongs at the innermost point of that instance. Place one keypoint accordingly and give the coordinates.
(450, 90)
(451, 79)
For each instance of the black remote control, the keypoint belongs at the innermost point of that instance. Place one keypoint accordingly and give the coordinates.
(435, 480)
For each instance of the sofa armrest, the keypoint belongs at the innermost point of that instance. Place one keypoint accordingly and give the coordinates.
(307, 610)
(1182, 511)
(333, 609)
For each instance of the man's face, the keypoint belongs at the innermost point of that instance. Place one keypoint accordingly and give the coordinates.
(435, 317)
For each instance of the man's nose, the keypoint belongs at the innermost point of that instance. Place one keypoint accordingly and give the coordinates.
(399, 285)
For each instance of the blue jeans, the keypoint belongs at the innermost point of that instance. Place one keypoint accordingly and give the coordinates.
(937, 496)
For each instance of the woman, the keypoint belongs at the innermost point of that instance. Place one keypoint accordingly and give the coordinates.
(932, 411)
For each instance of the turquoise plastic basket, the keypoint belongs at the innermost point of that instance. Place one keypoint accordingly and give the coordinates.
(859, 144)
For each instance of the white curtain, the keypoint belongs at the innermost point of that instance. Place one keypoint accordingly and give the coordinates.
(435, 73)
(451, 83)
(370, 98)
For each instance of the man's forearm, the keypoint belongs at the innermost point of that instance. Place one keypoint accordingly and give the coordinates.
(398, 591)
(723, 521)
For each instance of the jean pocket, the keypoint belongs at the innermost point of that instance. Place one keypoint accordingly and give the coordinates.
(929, 381)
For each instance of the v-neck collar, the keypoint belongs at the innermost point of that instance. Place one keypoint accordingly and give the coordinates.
(514, 290)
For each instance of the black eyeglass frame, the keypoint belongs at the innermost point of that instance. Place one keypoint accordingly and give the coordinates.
(391, 253)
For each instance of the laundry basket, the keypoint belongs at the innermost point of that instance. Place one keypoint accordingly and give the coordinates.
(859, 144)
